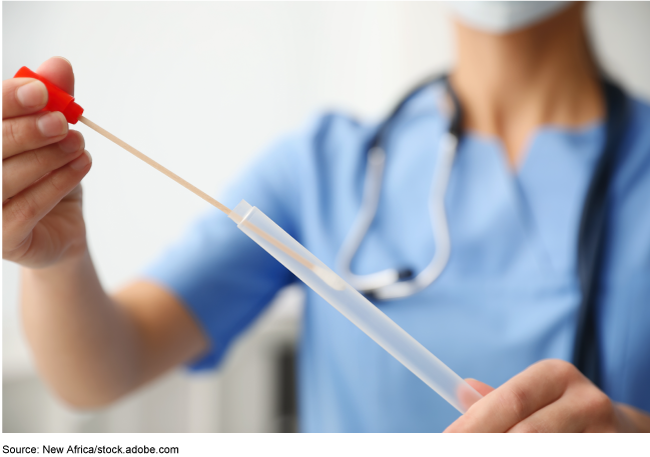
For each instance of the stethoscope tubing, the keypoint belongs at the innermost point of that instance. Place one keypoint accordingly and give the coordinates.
(390, 284)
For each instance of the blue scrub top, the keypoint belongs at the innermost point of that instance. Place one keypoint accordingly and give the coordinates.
(507, 298)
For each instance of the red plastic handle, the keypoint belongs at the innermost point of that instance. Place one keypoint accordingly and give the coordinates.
(58, 99)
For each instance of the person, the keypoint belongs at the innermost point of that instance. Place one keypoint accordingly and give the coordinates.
(503, 310)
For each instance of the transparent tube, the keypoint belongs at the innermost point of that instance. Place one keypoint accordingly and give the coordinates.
(354, 306)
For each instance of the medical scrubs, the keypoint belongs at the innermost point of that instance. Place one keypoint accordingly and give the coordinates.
(507, 298)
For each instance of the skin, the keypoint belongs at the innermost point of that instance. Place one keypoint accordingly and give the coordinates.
(550, 396)
(93, 348)
(509, 85)
(90, 347)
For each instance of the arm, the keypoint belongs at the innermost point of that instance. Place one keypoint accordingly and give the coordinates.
(90, 347)
(549, 396)
(93, 348)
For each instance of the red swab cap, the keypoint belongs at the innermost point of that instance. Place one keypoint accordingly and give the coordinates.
(58, 99)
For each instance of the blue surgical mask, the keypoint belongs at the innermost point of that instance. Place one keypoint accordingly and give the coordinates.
(504, 17)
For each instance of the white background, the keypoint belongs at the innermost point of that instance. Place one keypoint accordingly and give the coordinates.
(203, 87)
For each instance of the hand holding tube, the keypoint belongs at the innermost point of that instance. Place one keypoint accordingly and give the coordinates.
(549, 396)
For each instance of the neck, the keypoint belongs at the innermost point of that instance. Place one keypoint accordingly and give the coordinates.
(510, 85)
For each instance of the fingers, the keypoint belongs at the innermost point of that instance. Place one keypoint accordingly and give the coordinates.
(22, 213)
(524, 394)
(21, 96)
(583, 407)
(25, 133)
(467, 392)
(22, 170)
(21, 129)
(554, 418)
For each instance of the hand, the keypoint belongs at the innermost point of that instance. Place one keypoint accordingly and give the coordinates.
(42, 166)
(549, 396)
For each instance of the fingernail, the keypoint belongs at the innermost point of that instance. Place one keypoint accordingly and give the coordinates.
(81, 162)
(52, 124)
(32, 95)
(71, 143)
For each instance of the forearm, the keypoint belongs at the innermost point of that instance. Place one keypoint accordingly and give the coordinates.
(84, 344)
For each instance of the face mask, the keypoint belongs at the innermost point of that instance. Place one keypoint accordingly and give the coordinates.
(504, 17)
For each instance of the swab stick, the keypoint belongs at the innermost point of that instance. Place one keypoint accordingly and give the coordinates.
(155, 164)
(315, 268)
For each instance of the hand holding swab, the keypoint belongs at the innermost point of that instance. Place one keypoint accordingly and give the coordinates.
(59, 100)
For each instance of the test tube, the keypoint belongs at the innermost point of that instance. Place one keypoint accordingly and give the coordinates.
(354, 306)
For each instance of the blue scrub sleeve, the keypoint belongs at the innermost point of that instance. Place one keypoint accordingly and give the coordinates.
(225, 279)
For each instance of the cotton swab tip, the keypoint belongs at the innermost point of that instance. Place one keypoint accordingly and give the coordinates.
(329, 277)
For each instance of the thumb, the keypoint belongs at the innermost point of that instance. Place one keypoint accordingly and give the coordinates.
(480, 387)
(467, 397)
(59, 71)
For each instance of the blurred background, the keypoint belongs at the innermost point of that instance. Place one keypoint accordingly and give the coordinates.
(202, 88)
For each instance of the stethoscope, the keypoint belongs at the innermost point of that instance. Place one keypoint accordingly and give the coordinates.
(400, 283)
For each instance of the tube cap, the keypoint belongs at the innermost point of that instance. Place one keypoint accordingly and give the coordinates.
(58, 99)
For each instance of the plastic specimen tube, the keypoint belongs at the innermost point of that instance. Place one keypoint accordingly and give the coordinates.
(359, 310)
